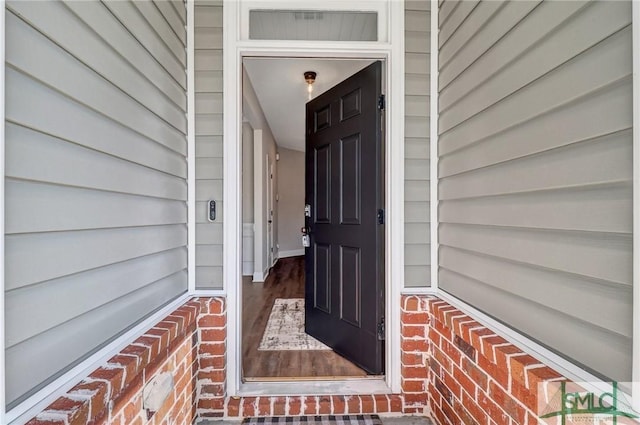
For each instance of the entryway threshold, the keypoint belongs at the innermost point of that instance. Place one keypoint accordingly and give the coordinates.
(366, 386)
(311, 379)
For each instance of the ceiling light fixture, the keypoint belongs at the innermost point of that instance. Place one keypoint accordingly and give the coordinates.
(310, 78)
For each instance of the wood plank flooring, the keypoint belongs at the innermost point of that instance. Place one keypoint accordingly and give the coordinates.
(286, 280)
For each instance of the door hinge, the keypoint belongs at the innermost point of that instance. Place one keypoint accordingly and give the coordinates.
(381, 329)
(381, 102)
(380, 216)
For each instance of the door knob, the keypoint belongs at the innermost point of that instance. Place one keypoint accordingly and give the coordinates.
(305, 230)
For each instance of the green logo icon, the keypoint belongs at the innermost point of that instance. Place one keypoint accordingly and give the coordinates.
(571, 402)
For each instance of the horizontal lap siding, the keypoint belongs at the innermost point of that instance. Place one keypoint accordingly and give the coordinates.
(416, 185)
(95, 177)
(535, 169)
(208, 87)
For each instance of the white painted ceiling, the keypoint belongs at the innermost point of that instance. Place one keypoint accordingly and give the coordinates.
(282, 91)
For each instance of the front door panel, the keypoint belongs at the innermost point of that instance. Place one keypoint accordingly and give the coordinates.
(322, 198)
(344, 185)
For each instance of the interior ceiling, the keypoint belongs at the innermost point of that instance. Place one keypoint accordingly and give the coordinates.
(282, 91)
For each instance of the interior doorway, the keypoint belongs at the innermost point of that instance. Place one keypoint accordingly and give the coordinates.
(284, 281)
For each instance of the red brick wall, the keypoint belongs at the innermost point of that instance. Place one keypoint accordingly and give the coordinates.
(412, 400)
(476, 376)
(453, 369)
(310, 405)
(191, 344)
(113, 393)
(212, 374)
(414, 357)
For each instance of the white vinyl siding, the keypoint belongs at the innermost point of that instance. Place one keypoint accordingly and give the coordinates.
(416, 185)
(208, 87)
(535, 166)
(95, 177)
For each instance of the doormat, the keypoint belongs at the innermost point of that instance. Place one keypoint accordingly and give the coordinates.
(317, 420)
(285, 328)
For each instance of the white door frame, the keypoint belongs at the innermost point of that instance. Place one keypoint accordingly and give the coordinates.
(260, 269)
(392, 52)
(270, 217)
(263, 207)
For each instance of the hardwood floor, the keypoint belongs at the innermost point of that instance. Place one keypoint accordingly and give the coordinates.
(286, 280)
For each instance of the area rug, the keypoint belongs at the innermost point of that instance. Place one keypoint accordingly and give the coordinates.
(285, 328)
(318, 420)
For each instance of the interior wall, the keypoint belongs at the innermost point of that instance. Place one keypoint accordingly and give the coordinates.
(248, 224)
(264, 144)
(247, 173)
(291, 202)
(535, 143)
(95, 177)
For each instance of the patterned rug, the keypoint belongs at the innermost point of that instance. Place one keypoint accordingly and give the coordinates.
(318, 420)
(285, 328)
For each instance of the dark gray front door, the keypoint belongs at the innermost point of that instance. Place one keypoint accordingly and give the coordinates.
(344, 265)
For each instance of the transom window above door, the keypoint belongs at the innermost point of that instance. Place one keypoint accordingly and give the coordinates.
(303, 20)
(313, 25)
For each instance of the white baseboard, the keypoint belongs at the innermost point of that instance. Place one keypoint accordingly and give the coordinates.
(261, 277)
(291, 253)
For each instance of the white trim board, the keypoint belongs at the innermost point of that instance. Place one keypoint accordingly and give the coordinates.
(433, 146)
(635, 19)
(394, 179)
(366, 386)
(3, 419)
(191, 147)
(260, 229)
(392, 53)
(260, 276)
(291, 253)
(232, 184)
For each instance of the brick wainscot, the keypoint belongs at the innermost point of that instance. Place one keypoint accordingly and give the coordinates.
(453, 369)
